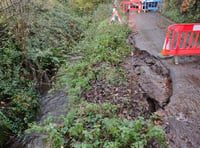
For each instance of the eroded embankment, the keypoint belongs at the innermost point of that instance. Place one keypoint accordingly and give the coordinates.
(146, 88)
(152, 76)
(181, 114)
(181, 110)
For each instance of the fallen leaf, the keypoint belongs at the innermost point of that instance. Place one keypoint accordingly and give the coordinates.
(3, 102)
(116, 95)
(158, 122)
(121, 115)
(125, 111)
(160, 114)
(118, 106)
(129, 117)
(95, 93)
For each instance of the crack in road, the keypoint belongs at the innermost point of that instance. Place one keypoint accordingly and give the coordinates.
(181, 109)
(136, 64)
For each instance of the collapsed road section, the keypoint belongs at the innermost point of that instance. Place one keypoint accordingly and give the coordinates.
(182, 112)
(152, 76)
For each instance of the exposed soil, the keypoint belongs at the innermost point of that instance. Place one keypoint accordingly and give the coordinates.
(139, 94)
(181, 114)
(152, 76)
(129, 98)
(151, 85)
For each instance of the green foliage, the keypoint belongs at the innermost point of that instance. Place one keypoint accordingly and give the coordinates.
(85, 6)
(5, 128)
(49, 38)
(92, 125)
(102, 48)
(32, 47)
(11, 71)
(98, 125)
(17, 93)
(55, 138)
(173, 11)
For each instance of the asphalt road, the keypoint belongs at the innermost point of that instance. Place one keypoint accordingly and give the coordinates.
(182, 113)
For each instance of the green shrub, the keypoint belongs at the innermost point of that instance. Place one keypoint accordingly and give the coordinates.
(33, 47)
(97, 125)
(102, 47)
(173, 11)
(86, 6)
(17, 93)
(92, 125)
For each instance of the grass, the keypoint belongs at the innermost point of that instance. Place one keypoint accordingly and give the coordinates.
(100, 52)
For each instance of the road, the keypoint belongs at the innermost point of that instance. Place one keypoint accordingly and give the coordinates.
(182, 113)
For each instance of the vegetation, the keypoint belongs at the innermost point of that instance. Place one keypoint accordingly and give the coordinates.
(94, 125)
(80, 39)
(97, 57)
(183, 11)
(103, 47)
(32, 46)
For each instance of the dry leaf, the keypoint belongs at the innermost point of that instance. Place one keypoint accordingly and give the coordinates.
(129, 90)
(129, 117)
(125, 111)
(121, 115)
(158, 122)
(160, 114)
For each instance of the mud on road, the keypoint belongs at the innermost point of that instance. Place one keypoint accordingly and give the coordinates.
(182, 113)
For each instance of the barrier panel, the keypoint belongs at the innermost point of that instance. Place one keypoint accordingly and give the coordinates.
(182, 39)
(128, 6)
(152, 4)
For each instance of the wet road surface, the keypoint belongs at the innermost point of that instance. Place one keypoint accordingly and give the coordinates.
(182, 113)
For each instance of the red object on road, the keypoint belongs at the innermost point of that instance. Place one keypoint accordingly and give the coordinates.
(182, 39)
(128, 6)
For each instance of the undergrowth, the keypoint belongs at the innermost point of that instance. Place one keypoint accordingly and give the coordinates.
(173, 11)
(33, 45)
(101, 51)
(94, 126)
(97, 56)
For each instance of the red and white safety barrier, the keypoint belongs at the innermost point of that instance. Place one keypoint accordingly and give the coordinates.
(128, 6)
(182, 39)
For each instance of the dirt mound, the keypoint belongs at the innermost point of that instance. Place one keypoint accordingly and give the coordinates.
(147, 87)
(152, 76)
(128, 97)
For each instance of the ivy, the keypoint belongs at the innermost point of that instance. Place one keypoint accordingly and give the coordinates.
(32, 48)
(174, 10)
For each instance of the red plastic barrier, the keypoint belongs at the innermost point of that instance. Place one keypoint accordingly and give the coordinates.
(135, 5)
(182, 39)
